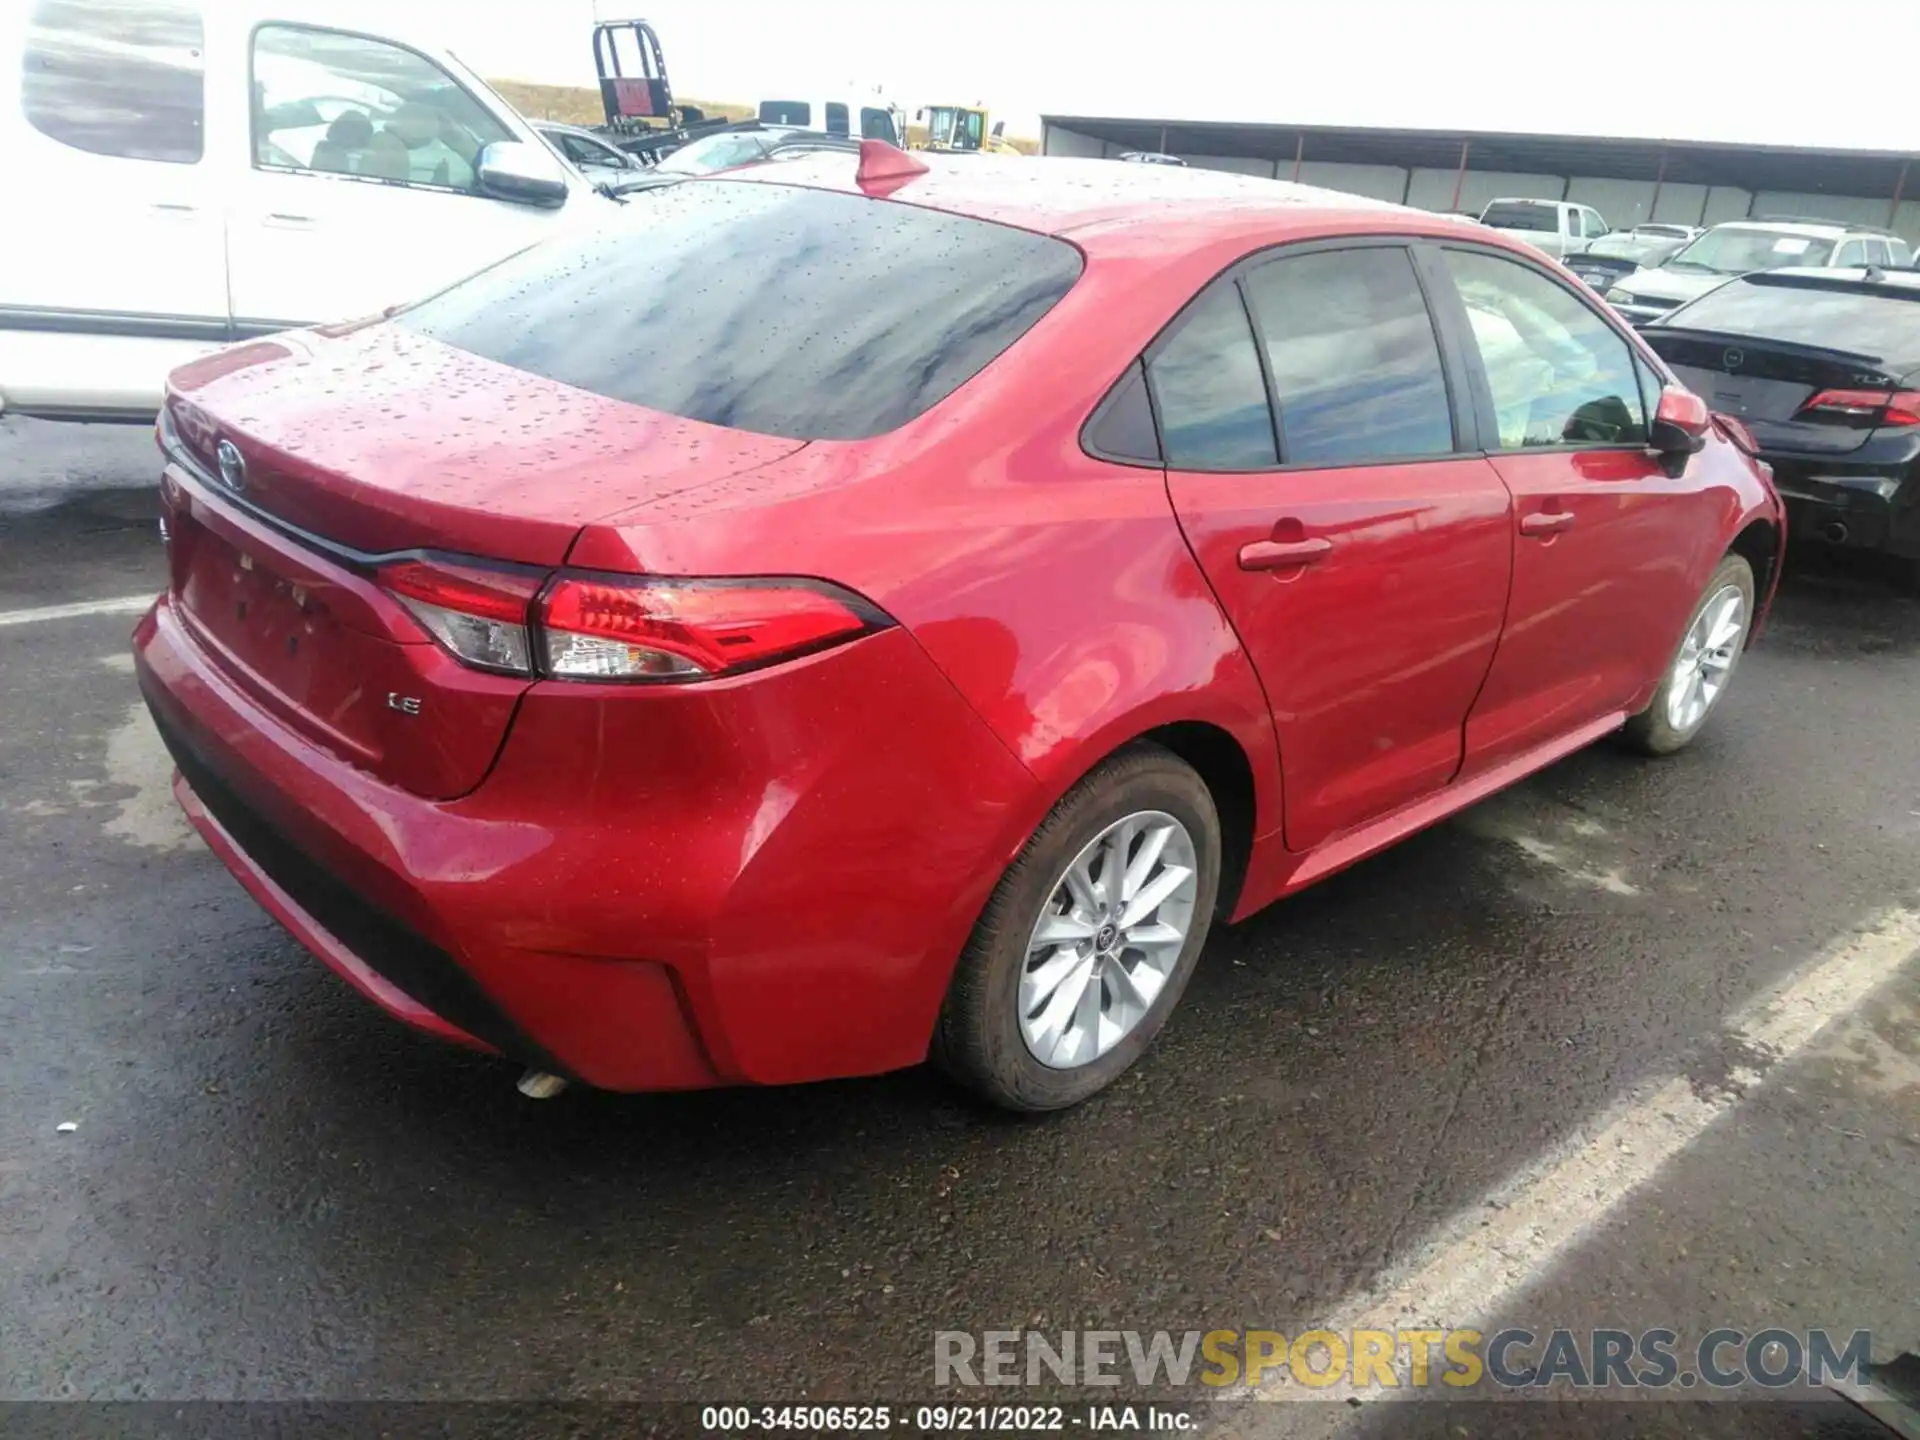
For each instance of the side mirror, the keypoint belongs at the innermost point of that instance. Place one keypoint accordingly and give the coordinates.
(515, 171)
(1679, 424)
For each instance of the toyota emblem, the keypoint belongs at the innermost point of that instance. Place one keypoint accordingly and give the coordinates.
(1734, 359)
(233, 466)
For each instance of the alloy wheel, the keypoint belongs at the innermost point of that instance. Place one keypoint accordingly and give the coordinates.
(1707, 657)
(1107, 939)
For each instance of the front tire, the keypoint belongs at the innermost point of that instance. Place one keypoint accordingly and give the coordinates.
(1088, 940)
(1703, 666)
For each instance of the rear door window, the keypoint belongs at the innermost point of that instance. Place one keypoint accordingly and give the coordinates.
(1351, 351)
(115, 78)
(837, 122)
(773, 308)
(786, 112)
(1208, 390)
(1558, 373)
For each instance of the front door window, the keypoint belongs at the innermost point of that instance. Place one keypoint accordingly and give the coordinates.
(330, 102)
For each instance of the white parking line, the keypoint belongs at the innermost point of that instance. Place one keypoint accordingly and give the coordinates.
(1485, 1255)
(123, 605)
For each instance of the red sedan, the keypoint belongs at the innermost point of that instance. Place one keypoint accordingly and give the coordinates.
(853, 612)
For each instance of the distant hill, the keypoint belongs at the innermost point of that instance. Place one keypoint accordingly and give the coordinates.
(580, 105)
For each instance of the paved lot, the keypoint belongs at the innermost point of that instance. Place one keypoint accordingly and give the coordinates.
(273, 1192)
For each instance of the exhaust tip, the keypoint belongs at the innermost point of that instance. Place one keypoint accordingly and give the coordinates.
(539, 1085)
(1835, 533)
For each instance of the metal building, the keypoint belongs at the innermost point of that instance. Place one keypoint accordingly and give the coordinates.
(1689, 182)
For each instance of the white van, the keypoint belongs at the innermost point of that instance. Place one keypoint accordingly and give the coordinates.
(182, 174)
(872, 118)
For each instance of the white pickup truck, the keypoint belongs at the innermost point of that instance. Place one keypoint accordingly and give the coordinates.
(187, 173)
(1557, 227)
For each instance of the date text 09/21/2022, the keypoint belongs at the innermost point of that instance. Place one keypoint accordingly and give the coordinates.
(945, 1419)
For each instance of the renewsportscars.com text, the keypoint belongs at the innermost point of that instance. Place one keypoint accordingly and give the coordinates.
(1511, 1359)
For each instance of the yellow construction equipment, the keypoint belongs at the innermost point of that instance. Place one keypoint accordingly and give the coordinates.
(963, 128)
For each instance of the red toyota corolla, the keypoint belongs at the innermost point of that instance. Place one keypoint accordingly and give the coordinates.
(831, 616)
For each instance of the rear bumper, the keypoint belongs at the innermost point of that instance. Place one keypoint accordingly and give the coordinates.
(1826, 506)
(752, 881)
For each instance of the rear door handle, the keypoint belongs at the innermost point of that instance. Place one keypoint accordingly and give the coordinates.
(1283, 554)
(1545, 522)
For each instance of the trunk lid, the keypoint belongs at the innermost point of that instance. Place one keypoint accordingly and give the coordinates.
(382, 440)
(326, 652)
(379, 442)
(1601, 271)
(1767, 384)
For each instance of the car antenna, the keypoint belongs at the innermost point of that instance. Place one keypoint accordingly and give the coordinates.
(885, 168)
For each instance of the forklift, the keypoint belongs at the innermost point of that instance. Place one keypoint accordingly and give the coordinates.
(635, 96)
(961, 129)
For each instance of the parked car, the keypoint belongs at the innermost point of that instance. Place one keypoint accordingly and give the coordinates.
(740, 145)
(1613, 257)
(189, 205)
(1741, 246)
(1151, 157)
(1662, 230)
(1554, 227)
(892, 628)
(1823, 366)
(594, 157)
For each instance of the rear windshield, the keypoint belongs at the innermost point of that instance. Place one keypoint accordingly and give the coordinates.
(1887, 328)
(787, 311)
(785, 112)
(1625, 247)
(1513, 216)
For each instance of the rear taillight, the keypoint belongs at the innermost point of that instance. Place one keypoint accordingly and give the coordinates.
(1863, 407)
(620, 628)
(479, 615)
(617, 627)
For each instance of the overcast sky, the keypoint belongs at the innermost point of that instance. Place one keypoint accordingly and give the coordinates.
(1743, 70)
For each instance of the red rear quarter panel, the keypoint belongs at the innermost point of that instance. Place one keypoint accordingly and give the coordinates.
(1054, 590)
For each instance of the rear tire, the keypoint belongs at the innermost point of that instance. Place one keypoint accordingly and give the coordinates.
(1011, 1028)
(1702, 666)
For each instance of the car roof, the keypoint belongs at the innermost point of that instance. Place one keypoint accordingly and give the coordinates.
(1819, 229)
(377, 18)
(1092, 199)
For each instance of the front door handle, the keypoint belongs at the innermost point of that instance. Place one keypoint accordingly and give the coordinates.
(1283, 554)
(1545, 522)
